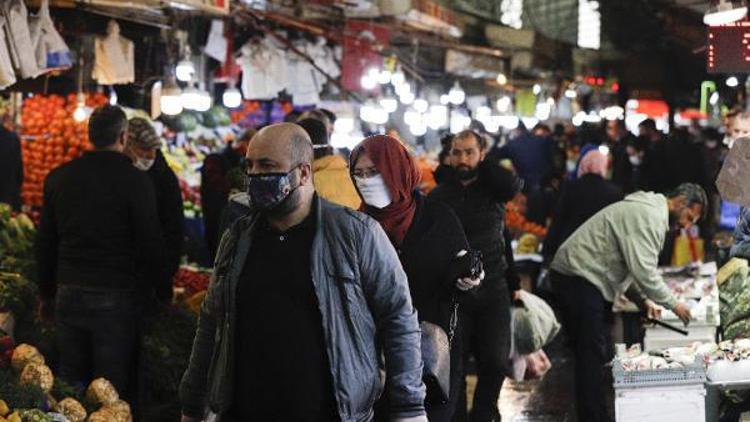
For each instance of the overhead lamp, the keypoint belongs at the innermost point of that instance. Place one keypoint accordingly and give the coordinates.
(419, 128)
(503, 104)
(407, 98)
(714, 99)
(379, 116)
(437, 117)
(483, 111)
(204, 100)
(190, 98)
(343, 125)
(80, 113)
(112, 97)
(725, 12)
(421, 105)
(184, 71)
(537, 89)
(732, 81)
(403, 89)
(398, 78)
(232, 97)
(367, 83)
(604, 150)
(384, 77)
(456, 95)
(389, 104)
(411, 117)
(171, 98)
(502, 79)
(445, 99)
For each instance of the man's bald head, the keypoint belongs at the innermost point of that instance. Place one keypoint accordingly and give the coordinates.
(285, 139)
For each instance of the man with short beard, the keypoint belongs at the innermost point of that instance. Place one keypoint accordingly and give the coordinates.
(616, 252)
(477, 190)
(287, 331)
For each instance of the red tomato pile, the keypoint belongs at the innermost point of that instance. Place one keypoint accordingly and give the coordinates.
(192, 280)
(51, 138)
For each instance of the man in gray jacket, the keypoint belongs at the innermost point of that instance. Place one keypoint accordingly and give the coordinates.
(300, 289)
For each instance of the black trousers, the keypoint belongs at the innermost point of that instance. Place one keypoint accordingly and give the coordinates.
(587, 318)
(98, 336)
(485, 324)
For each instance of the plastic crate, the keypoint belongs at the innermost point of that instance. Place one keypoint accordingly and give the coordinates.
(685, 403)
(692, 374)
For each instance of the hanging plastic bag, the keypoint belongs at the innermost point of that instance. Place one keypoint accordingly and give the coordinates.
(534, 324)
(7, 75)
(19, 39)
(52, 45)
(114, 58)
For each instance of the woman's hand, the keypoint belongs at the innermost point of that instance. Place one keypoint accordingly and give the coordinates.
(467, 283)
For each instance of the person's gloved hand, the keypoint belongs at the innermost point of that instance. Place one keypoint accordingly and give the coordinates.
(422, 418)
(465, 282)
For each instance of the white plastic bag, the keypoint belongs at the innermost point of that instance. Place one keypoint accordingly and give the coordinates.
(7, 74)
(50, 48)
(534, 324)
(19, 38)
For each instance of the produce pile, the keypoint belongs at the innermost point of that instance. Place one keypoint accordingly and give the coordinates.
(17, 233)
(516, 221)
(192, 279)
(30, 393)
(51, 137)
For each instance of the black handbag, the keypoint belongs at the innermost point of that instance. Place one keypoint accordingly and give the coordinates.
(436, 357)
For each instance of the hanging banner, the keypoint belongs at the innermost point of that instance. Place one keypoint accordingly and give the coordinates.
(362, 44)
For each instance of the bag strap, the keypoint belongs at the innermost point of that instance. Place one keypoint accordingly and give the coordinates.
(453, 324)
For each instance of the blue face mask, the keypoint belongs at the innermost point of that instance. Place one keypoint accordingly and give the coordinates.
(268, 191)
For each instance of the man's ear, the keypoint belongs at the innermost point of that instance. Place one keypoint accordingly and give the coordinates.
(306, 174)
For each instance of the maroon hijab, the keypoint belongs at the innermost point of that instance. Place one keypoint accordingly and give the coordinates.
(401, 177)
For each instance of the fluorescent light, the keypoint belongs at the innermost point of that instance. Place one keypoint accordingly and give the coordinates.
(570, 93)
(714, 99)
(724, 13)
(112, 98)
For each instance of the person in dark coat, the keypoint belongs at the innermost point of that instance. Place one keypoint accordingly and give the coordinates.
(99, 248)
(581, 199)
(675, 161)
(216, 186)
(430, 241)
(477, 192)
(622, 167)
(143, 149)
(532, 157)
(11, 169)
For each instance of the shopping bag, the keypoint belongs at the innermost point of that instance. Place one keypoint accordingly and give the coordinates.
(56, 51)
(7, 74)
(534, 324)
(537, 364)
(688, 248)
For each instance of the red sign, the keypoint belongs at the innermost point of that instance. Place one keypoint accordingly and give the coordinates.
(729, 48)
(362, 42)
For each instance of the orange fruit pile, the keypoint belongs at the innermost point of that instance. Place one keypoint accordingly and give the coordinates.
(50, 138)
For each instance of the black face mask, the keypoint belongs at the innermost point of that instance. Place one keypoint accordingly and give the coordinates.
(272, 193)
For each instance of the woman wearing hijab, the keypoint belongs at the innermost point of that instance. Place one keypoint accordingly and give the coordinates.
(580, 200)
(430, 242)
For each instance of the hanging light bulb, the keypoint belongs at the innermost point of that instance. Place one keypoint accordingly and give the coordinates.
(407, 98)
(184, 71)
(367, 83)
(171, 99)
(502, 79)
(384, 77)
(190, 98)
(80, 113)
(456, 95)
(112, 97)
(437, 117)
(503, 104)
(398, 78)
(421, 105)
(537, 89)
(232, 97)
(445, 99)
(205, 101)
(389, 104)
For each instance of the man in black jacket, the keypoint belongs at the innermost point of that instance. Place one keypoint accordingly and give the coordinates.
(477, 192)
(143, 149)
(98, 248)
(11, 168)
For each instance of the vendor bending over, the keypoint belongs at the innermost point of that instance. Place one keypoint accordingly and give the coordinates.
(596, 264)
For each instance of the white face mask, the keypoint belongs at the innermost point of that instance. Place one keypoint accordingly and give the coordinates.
(374, 191)
(143, 164)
